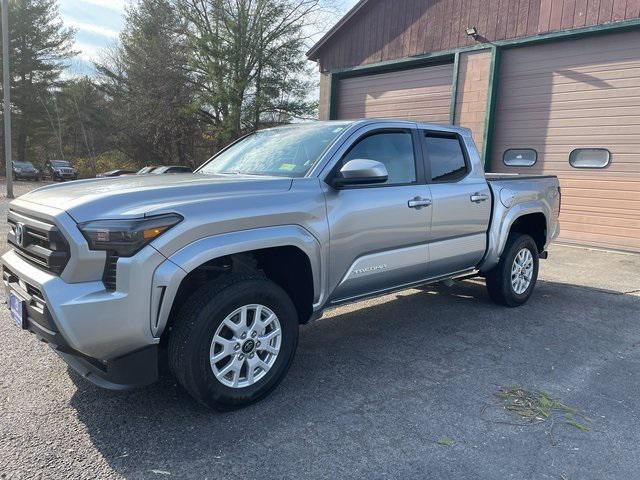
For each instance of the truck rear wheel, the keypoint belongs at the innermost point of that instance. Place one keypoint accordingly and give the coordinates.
(233, 340)
(512, 281)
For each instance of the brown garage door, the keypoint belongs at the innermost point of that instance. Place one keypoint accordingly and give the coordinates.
(580, 94)
(421, 94)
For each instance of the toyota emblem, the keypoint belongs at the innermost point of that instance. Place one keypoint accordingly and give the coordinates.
(19, 233)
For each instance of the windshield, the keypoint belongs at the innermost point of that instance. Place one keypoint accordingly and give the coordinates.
(284, 152)
(23, 164)
(60, 163)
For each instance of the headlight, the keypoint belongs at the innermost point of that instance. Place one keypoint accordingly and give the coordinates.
(126, 237)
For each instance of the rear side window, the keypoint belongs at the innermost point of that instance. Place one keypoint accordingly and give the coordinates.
(589, 158)
(520, 157)
(393, 149)
(446, 157)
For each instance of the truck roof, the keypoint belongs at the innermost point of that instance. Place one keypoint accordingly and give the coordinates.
(369, 121)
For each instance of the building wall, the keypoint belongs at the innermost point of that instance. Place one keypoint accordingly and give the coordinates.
(325, 93)
(471, 99)
(392, 29)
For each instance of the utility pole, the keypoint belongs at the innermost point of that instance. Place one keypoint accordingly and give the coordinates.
(6, 87)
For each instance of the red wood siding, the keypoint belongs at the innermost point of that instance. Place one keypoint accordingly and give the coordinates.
(391, 29)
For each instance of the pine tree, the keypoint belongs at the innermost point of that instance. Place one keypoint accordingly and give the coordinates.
(147, 83)
(39, 47)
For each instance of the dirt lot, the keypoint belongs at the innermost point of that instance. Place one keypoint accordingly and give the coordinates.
(403, 386)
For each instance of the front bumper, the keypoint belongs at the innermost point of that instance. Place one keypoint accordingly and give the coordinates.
(28, 175)
(104, 335)
(65, 175)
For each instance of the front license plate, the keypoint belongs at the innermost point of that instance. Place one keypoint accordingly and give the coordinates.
(17, 308)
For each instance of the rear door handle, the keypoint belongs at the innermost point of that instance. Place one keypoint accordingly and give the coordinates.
(479, 197)
(419, 202)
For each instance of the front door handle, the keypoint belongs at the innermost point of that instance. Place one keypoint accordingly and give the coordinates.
(419, 202)
(479, 197)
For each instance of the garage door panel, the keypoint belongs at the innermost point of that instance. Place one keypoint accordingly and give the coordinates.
(556, 84)
(544, 70)
(566, 99)
(562, 76)
(401, 101)
(604, 241)
(607, 185)
(600, 193)
(541, 120)
(601, 220)
(579, 107)
(420, 94)
(584, 93)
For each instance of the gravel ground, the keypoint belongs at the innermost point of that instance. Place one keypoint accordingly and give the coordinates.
(372, 390)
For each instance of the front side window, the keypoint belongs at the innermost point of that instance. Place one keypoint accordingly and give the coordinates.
(393, 149)
(589, 158)
(520, 157)
(447, 160)
(283, 152)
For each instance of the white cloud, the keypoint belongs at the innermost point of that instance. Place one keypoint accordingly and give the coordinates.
(91, 28)
(116, 5)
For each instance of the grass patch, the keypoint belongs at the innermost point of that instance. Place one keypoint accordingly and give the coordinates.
(446, 441)
(535, 406)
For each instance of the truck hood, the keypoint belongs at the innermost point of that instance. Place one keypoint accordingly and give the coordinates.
(138, 195)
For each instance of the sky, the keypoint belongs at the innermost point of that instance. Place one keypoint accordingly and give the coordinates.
(98, 23)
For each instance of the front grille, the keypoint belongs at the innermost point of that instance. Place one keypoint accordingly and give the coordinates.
(38, 241)
(37, 309)
(109, 274)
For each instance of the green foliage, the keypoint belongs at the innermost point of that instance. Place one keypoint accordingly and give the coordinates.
(534, 406)
(151, 95)
(446, 442)
(39, 47)
(248, 62)
(111, 160)
(186, 78)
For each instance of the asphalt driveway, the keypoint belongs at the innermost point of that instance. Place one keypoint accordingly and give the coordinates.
(398, 387)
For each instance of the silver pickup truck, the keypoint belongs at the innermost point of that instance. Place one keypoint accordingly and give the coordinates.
(217, 269)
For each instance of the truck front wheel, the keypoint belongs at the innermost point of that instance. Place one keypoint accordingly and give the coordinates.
(512, 281)
(233, 340)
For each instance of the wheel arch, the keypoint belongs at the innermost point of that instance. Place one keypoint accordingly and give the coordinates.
(288, 255)
(524, 218)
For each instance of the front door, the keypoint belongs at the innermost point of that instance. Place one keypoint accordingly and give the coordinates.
(461, 204)
(379, 232)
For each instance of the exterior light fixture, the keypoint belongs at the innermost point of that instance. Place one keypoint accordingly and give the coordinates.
(472, 32)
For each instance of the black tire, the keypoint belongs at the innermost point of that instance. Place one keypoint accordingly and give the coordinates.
(196, 323)
(498, 279)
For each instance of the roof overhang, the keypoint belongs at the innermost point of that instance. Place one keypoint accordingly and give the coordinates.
(312, 54)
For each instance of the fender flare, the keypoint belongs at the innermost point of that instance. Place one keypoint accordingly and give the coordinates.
(498, 239)
(169, 275)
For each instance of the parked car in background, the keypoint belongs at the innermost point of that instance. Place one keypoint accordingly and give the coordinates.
(116, 173)
(145, 170)
(172, 169)
(218, 269)
(60, 170)
(25, 171)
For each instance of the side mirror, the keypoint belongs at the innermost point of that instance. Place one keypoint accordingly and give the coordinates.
(361, 172)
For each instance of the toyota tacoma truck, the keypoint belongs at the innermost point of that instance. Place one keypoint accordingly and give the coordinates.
(214, 271)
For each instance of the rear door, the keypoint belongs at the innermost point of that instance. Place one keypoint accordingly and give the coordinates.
(379, 232)
(461, 206)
